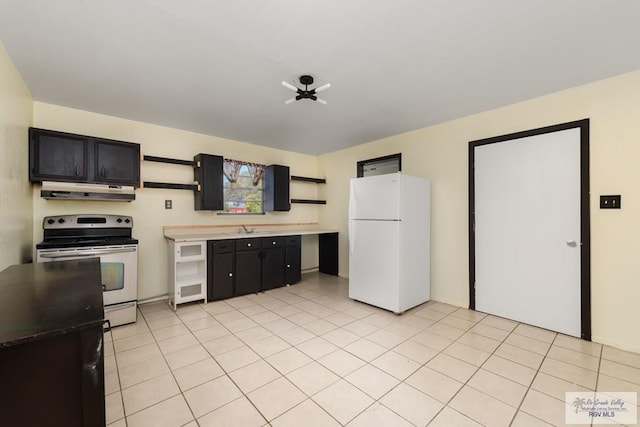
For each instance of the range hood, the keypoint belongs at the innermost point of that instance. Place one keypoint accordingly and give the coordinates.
(81, 191)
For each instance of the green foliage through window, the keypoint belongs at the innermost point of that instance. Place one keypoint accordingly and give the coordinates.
(243, 187)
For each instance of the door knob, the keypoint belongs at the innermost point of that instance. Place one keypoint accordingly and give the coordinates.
(571, 243)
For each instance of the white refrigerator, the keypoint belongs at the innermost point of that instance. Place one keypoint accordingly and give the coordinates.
(389, 237)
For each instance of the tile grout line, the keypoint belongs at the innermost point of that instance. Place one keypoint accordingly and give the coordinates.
(405, 338)
(446, 405)
(531, 384)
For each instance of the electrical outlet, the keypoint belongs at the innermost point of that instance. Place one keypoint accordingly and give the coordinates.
(168, 204)
(610, 202)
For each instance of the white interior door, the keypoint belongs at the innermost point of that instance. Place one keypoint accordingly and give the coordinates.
(527, 230)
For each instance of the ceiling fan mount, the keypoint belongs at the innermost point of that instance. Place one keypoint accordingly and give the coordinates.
(306, 80)
(306, 93)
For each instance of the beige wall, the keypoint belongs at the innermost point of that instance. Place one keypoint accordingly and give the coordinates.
(440, 153)
(148, 210)
(16, 213)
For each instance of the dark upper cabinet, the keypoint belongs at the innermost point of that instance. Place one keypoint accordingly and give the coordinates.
(276, 188)
(208, 173)
(117, 162)
(67, 157)
(57, 156)
(293, 258)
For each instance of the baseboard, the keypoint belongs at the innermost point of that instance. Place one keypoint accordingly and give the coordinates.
(153, 299)
(450, 302)
(617, 344)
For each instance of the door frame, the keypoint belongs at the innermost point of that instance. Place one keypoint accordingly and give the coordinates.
(585, 235)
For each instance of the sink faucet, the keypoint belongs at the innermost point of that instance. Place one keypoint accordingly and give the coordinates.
(246, 230)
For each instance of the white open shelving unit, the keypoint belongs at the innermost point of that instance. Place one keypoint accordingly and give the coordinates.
(188, 273)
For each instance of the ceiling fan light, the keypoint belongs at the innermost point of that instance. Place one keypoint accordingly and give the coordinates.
(323, 87)
(290, 100)
(289, 86)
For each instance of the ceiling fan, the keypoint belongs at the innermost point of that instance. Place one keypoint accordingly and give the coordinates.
(306, 93)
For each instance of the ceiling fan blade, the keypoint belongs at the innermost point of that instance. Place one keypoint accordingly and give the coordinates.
(289, 86)
(290, 100)
(322, 101)
(323, 87)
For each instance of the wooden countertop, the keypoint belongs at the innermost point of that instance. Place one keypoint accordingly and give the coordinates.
(42, 300)
(197, 233)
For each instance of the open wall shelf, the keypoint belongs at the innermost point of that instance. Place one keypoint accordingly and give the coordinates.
(309, 180)
(306, 179)
(309, 202)
(168, 185)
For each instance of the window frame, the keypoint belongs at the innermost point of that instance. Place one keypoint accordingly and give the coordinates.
(363, 163)
(226, 183)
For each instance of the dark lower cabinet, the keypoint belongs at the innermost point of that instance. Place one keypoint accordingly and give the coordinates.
(248, 266)
(46, 382)
(293, 258)
(52, 345)
(245, 266)
(220, 269)
(328, 253)
(273, 262)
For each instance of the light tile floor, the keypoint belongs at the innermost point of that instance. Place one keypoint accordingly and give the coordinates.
(307, 355)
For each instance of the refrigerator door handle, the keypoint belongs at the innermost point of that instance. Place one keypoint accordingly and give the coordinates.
(351, 237)
(352, 204)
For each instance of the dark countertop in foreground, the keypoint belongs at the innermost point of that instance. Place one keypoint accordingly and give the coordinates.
(43, 300)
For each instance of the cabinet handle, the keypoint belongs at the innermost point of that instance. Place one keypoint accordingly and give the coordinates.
(77, 170)
(230, 274)
(248, 245)
(288, 265)
(273, 243)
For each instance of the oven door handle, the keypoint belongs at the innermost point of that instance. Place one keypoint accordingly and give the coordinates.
(87, 254)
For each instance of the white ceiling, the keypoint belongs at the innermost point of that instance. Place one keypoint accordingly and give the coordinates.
(216, 67)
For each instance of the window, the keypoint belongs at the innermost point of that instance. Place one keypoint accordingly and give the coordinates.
(380, 165)
(243, 187)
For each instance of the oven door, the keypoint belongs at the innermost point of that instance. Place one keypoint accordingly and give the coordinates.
(119, 265)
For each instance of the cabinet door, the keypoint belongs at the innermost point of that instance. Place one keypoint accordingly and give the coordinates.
(273, 262)
(328, 253)
(273, 268)
(276, 188)
(248, 265)
(117, 162)
(209, 175)
(293, 255)
(57, 156)
(220, 272)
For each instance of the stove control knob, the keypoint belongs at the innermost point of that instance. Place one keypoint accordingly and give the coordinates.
(119, 220)
(50, 221)
(61, 221)
(127, 220)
